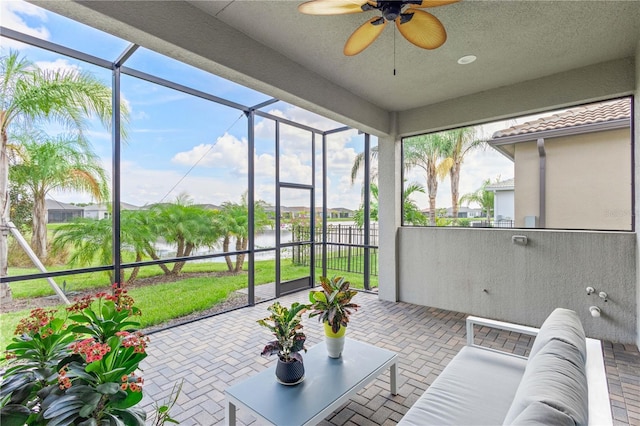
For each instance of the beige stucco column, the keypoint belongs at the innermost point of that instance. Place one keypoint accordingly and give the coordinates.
(389, 199)
(636, 136)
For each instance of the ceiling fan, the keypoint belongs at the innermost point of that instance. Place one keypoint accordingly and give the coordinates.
(417, 26)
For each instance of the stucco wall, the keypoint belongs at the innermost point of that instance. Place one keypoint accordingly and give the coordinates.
(482, 272)
(588, 181)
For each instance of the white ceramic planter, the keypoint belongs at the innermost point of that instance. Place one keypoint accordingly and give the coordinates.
(334, 341)
(335, 345)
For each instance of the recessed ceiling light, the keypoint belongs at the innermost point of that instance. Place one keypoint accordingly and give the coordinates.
(467, 59)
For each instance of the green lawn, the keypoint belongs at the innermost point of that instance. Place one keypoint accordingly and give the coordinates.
(165, 301)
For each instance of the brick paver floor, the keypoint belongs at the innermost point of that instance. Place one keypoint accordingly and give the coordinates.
(211, 354)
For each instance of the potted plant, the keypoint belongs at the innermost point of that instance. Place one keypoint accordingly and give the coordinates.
(79, 366)
(333, 307)
(285, 324)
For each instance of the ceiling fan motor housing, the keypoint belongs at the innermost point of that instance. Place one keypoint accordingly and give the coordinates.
(391, 9)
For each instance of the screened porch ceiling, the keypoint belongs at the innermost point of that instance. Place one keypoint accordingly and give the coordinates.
(531, 55)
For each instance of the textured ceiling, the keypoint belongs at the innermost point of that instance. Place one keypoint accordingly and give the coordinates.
(513, 40)
(270, 46)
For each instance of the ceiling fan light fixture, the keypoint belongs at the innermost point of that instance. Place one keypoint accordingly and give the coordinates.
(467, 59)
(417, 26)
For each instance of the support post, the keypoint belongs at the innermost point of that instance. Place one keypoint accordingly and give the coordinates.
(34, 258)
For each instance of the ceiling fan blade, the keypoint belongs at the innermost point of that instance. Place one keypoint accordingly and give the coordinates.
(332, 7)
(422, 29)
(364, 36)
(433, 3)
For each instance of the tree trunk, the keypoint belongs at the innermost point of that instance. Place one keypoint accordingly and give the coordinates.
(242, 243)
(225, 248)
(432, 191)
(39, 235)
(153, 255)
(5, 290)
(180, 247)
(177, 267)
(454, 174)
(134, 272)
(432, 211)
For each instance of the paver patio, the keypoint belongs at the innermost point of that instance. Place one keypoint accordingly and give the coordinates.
(216, 352)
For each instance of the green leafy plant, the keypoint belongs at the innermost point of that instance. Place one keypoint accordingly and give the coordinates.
(162, 413)
(333, 303)
(76, 367)
(285, 324)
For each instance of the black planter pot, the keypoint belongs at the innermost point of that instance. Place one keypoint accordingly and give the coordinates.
(290, 372)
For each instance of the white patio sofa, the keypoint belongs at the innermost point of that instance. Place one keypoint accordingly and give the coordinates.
(562, 382)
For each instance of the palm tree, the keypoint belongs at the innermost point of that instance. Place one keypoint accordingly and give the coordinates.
(65, 163)
(92, 240)
(358, 163)
(428, 152)
(459, 143)
(411, 213)
(187, 226)
(29, 94)
(481, 197)
(234, 219)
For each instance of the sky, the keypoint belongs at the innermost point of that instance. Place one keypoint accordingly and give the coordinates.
(179, 144)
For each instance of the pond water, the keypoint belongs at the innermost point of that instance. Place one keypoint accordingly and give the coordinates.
(264, 239)
(336, 233)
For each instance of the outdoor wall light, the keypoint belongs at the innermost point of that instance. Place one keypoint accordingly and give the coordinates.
(590, 291)
(595, 311)
(603, 295)
(519, 239)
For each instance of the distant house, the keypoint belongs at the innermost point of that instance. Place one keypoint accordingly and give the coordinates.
(57, 212)
(103, 211)
(573, 169)
(303, 212)
(503, 200)
(339, 213)
(209, 206)
(463, 212)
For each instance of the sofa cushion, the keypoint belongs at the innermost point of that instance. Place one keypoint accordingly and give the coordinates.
(541, 414)
(562, 324)
(555, 376)
(476, 388)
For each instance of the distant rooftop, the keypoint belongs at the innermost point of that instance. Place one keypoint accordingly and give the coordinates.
(574, 117)
(57, 205)
(502, 185)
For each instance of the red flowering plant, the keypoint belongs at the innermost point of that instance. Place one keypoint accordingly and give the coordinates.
(78, 367)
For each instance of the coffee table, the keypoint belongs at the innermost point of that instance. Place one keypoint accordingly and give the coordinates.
(328, 384)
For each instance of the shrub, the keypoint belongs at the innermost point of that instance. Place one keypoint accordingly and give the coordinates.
(79, 366)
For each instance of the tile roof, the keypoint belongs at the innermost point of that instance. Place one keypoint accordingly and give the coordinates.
(57, 205)
(580, 116)
(505, 184)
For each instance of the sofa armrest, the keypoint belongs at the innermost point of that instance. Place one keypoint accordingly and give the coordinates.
(500, 325)
(599, 403)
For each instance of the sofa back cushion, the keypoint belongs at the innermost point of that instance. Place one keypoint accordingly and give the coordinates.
(539, 413)
(555, 376)
(562, 324)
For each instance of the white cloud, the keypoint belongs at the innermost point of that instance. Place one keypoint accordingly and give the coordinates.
(227, 152)
(12, 15)
(230, 153)
(58, 65)
(139, 115)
